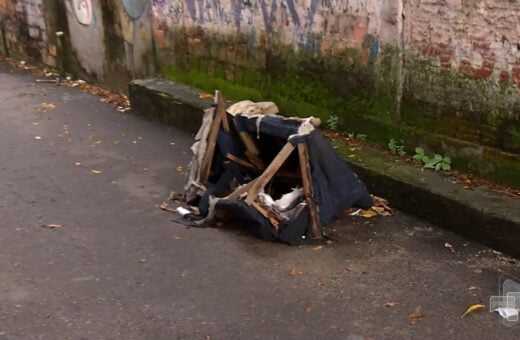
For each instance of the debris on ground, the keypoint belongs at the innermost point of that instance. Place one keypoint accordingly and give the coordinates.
(44, 107)
(415, 315)
(472, 309)
(51, 226)
(449, 246)
(165, 206)
(121, 101)
(279, 176)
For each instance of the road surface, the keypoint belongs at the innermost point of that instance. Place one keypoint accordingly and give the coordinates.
(119, 268)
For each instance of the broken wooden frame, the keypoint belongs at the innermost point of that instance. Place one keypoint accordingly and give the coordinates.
(252, 189)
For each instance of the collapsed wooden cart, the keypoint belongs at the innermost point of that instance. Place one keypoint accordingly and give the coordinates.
(277, 175)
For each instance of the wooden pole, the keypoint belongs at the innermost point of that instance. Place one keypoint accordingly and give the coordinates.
(305, 168)
(220, 114)
(269, 172)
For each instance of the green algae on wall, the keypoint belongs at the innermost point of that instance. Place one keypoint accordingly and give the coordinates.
(445, 112)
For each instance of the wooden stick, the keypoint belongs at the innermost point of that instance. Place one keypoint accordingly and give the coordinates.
(266, 214)
(221, 110)
(268, 174)
(212, 140)
(308, 191)
(241, 190)
(239, 160)
(251, 150)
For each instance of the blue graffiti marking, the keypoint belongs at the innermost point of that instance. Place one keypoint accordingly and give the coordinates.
(190, 4)
(294, 14)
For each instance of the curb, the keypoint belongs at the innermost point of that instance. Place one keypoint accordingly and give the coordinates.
(479, 215)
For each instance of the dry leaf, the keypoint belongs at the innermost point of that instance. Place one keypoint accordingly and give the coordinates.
(96, 172)
(317, 248)
(78, 163)
(307, 309)
(46, 107)
(180, 169)
(293, 271)
(473, 308)
(205, 95)
(142, 260)
(416, 315)
(390, 304)
(367, 213)
(473, 288)
(51, 226)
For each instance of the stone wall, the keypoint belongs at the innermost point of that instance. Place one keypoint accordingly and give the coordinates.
(25, 30)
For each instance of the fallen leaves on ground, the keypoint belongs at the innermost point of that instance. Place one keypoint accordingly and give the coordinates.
(390, 304)
(382, 206)
(473, 308)
(51, 226)
(470, 182)
(293, 271)
(415, 315)
(46, 107)
(180, 168)
(96, 172)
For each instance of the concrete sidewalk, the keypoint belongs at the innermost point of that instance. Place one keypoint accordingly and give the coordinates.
(118, 268)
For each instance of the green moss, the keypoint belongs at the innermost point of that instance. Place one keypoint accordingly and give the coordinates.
(441, 110)
(202, 81)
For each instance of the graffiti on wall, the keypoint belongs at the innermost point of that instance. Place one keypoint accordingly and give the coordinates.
(295, 21)
(83, 11)
(134, 8)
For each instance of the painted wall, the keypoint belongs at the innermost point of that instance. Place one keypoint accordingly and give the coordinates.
(103, 40)
(444, 74)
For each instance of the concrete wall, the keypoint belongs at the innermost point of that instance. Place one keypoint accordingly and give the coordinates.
(103, 40)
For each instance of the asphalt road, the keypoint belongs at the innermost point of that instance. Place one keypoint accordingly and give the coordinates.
(118, 268)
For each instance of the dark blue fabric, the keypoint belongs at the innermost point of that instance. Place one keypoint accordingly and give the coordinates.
(335, 185)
